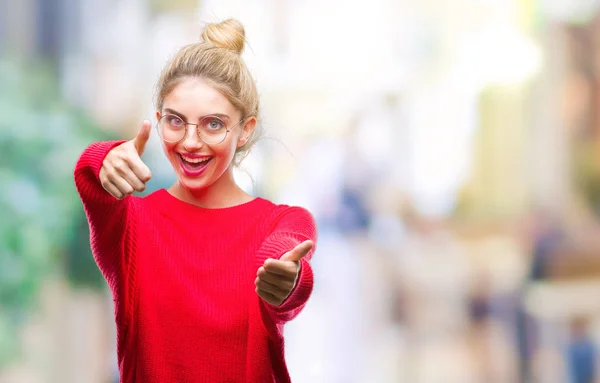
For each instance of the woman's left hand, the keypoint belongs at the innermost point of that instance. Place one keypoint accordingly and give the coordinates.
(277, 277)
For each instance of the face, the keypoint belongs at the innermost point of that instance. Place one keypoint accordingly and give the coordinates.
(199, 165)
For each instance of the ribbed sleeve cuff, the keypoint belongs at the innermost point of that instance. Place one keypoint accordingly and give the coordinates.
(94, 155)
(88, 168)
(276, 247)
(301, 292)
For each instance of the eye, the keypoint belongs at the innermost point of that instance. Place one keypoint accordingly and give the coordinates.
(213, 124)
(175, 121)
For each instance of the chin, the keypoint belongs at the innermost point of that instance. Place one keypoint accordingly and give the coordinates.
(193, 184)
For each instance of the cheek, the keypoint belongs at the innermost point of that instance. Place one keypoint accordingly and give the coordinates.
(227, 150)
(169, 150)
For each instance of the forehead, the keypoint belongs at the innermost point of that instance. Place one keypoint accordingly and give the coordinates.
(194, 97)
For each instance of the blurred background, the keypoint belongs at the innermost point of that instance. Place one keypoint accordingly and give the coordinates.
(448, 150)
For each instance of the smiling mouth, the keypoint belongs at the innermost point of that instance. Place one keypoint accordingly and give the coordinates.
(194, 166)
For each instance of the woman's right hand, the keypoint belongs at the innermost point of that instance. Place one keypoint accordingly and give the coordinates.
(123, 171)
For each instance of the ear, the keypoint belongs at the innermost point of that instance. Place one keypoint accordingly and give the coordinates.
(157, 115)
(247, 131)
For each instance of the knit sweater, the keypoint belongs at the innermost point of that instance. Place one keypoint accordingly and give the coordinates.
(182, 280)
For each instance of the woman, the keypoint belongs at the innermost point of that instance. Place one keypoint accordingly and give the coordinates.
(203, 275)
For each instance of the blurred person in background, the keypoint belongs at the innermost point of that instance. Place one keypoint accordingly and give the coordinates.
(433, 264)
(337, 324)
(581, 353)
(546, 235)
(204, 276)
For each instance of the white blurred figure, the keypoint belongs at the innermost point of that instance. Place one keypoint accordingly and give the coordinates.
(324, 343)
(434, 266)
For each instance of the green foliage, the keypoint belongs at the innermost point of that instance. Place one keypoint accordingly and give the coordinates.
(42, 224)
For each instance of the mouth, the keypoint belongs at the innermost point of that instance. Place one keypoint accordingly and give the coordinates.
(193, 166)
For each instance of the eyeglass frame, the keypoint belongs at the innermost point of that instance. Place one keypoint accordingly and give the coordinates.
(227, 130)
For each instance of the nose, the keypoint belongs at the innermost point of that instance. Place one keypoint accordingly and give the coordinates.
(192, 142)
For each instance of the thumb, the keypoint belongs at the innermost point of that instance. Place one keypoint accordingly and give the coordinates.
(298, 252)
(142, 137)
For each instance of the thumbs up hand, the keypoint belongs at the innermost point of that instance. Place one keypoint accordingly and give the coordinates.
(123, 171)
(277, 277)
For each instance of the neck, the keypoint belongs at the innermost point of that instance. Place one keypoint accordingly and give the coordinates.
(221, 194)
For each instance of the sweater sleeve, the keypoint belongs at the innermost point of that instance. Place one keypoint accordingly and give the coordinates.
(107, 216)
(293, 227)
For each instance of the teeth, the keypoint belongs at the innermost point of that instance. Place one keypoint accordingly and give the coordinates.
(195, 160)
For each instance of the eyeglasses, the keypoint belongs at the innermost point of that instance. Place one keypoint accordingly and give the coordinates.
(211, 129)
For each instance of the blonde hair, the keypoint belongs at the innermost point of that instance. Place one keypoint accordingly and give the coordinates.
(216, 59)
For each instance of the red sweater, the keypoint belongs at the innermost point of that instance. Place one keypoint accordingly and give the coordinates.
(182, 279)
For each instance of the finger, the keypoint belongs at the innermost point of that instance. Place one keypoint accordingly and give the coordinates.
(283, 268)
(141, 171)
(268, 297)
(132, 179)
(298, 252)
(276, 290)
(276, 279)
(124, 187)
(142, 137)
(112, 190)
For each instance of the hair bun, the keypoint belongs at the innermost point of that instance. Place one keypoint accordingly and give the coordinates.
(228, 34)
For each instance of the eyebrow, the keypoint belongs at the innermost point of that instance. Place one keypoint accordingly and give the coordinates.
(171, 111)
(182, 116)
